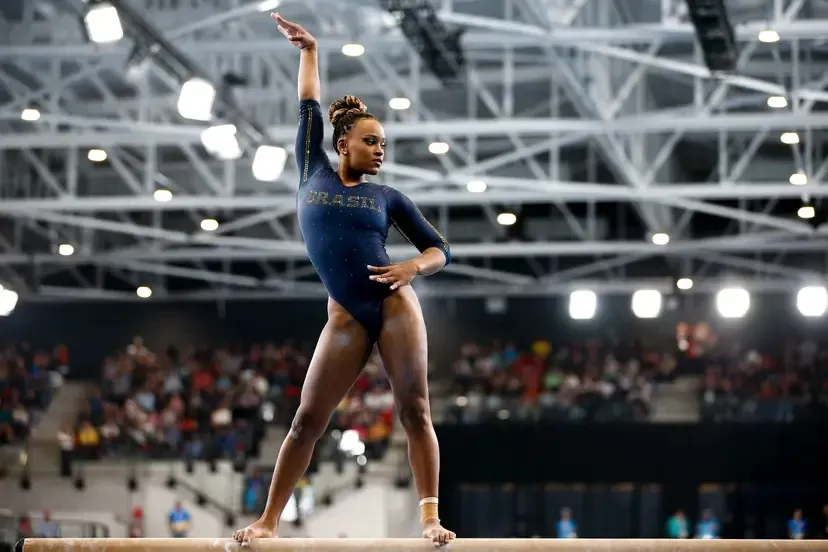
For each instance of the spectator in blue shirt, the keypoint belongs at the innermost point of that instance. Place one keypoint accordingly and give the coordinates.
(47, 527)
(796, 526)
(179, 521)
(708, 526)
(566, 528)
(677, 527)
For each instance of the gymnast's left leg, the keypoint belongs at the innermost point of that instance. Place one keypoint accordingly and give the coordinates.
(403, 346)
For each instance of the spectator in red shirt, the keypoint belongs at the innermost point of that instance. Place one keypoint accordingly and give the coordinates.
(202, 380)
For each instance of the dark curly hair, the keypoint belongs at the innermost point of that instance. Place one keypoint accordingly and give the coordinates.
(344, 114)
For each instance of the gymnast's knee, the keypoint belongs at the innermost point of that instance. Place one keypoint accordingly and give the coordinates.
(414, 414)
(307, 426)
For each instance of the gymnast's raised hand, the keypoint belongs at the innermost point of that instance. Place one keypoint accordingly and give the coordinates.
(295, 34)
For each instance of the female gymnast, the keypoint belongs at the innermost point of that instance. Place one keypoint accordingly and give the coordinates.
(345, 221)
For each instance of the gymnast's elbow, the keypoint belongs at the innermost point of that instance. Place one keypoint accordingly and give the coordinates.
(445, 251)
(432, 259)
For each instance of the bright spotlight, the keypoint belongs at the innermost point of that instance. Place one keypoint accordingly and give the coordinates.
(30, 115)
(438, 148)
(162, 195)
(209, 225)
(353, 50)
(733, 302)
(806, 212)
(476, 186)
(798, 178)
(269, 163)
(143, 292)
(684, 284)
(812, 301)
(195, 101)
(660, 238)
(96, 155)
(506, 219)
(646, 303)
(790, 138)
(399, 103)
(777, 102)
(768, 36)
(220, 141)
(582, 304)
(66, 250)
(103, 24)
(8, 300)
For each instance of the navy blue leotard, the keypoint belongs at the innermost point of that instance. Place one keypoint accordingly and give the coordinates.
(345, 227)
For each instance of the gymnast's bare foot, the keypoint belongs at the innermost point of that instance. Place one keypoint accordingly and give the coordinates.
(256, 530)
(437, 534)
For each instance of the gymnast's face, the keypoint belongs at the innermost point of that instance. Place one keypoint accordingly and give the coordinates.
(364, 146)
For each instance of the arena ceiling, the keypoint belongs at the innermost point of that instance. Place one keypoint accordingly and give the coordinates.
(594, 122)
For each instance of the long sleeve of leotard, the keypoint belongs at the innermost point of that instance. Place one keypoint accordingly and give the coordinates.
(310, 155)
(410, 222)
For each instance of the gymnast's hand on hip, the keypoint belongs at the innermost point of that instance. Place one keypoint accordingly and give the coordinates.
(395, 275)
(297, 36)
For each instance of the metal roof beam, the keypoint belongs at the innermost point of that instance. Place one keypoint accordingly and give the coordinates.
(425, 289)
(280, 250)
(521, 36)
(145, 134)
(504, 191)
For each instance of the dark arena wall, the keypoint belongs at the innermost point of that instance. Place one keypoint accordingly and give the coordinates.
(513, 478)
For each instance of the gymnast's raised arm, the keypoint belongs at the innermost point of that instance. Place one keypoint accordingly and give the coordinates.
(310, 155)
(309, 87)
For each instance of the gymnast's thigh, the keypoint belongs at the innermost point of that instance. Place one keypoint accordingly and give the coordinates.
(403, 344)
(366, 309)
(339, 357)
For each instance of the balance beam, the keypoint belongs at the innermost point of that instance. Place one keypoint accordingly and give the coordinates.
(405, 545)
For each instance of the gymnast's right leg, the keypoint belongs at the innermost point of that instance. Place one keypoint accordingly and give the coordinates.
(341, 353)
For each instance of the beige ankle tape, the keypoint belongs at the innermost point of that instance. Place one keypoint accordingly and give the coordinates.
(429, 509)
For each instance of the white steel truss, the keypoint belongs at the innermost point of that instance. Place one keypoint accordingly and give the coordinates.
(595, 123)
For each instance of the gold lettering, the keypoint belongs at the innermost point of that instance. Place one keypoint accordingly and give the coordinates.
(340, 200)
(370, 203)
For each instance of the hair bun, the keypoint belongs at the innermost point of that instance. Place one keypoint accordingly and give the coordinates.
(344, 106)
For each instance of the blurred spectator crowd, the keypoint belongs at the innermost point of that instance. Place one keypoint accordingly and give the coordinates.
(27, 381)
(594, 381)
(599, 380)
(199, 404)
(213, 403)
(746, 386)
(208, 403)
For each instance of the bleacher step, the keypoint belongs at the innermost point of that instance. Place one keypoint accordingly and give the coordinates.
(64, 408)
